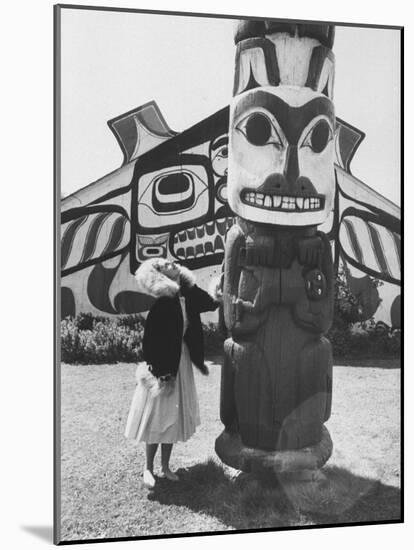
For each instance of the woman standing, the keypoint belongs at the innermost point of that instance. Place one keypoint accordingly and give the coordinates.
(165, 408)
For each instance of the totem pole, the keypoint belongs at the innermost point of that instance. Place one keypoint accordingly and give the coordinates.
(278, 274)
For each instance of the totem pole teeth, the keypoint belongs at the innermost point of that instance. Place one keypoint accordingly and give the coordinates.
(283, 202)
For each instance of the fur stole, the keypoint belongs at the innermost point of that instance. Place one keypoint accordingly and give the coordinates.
(154, 283)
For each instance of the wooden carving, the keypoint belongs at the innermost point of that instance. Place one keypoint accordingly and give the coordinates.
(278, 272)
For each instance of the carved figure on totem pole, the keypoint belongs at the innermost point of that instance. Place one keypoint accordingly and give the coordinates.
(278, 283)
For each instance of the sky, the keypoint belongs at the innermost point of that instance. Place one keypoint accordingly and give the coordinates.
(113, 62)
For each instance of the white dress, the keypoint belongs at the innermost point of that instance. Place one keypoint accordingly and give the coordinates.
(167, 414)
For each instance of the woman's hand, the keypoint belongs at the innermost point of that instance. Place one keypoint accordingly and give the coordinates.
(216, 289)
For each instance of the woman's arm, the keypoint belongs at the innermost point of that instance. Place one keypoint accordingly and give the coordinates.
(201, 300)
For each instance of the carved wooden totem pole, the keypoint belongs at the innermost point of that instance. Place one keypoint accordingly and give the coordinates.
(278, 272)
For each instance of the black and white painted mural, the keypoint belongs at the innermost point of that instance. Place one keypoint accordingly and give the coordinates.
(169, 200)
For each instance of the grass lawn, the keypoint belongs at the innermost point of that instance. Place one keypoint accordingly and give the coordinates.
(102, 495)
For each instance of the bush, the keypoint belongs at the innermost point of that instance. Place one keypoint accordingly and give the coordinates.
(365, 341)
(87, 339)
(351, 337)
(213, 339)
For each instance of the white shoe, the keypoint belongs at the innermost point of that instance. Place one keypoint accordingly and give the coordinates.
(168, 474)
(149, 480)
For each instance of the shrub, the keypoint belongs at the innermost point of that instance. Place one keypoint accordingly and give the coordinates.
(351, 337)
(365, 340)
(213, 339)
(88, 339)
(85, 321)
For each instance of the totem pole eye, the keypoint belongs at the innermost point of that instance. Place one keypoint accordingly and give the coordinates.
(318, 137)
(259, 130)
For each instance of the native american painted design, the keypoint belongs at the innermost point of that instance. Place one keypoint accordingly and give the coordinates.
(369, 236)
(105, 231)
(179, 190)
(169, 199)
(97, 233)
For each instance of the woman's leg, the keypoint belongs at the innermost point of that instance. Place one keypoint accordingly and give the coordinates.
(150, 451)
(166, 449)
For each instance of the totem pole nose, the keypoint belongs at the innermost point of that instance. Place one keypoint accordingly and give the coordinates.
(279, 184)
(298, 185)
(291, 170)
(303, 187)
(274, 184)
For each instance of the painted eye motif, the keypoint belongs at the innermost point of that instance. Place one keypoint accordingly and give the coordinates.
(173, 192)
(219, 152)
(223, 153)
(172, 196)
(259, 130)
(220, 161)
(318, 137)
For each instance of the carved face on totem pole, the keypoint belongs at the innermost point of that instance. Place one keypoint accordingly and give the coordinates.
(282, 124)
